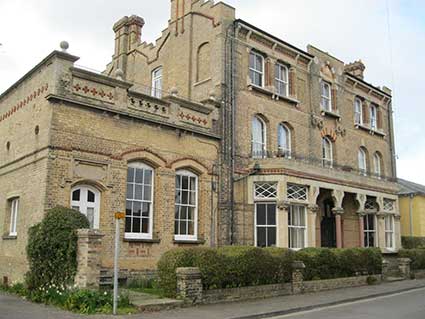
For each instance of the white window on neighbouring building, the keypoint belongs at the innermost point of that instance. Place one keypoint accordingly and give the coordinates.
(256, 68)
(258, 138)
(157, 82)
(389, 232)
(86, 200)
(139, 201)
(358, 111)
(296, 192)
(281, 80)
(284, 141)
(369, 222)
(326, 96)
(186, 206)
(297, 227)
(14, 209)
(265, 224)
(327, 152)
(373, 117)
(362, 161)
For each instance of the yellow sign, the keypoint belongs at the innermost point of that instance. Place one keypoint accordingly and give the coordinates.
(119, 215)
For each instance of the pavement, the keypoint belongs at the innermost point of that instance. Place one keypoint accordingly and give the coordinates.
(403, 299)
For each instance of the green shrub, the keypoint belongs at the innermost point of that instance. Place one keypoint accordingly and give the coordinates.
(229, 267)
(371, 280)
(52, 248)
(409, 242)
(416, 255)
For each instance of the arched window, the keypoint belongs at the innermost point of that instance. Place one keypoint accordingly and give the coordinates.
(327, 152)
(258, 138)
(157, 82)
(139, 201)
(362, 161)
(377, 170)
(86, 200)
(203, 62)
(281, 79)
(256, 68)
(186, 206)
(358, 111)
(284, 141)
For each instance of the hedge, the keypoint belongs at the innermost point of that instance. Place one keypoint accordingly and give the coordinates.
(230, 267)
(52, 248)
(416, 255)
(412, 242)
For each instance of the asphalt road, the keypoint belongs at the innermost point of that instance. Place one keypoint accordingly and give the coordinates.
(408, 305)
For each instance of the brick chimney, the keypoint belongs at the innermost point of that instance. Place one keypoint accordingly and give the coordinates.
(128, 32)
(356, 68)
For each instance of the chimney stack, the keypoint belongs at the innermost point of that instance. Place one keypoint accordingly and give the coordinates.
(356, 68)
(128, 32)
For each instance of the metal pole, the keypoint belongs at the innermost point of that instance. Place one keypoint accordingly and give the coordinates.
(117, 252)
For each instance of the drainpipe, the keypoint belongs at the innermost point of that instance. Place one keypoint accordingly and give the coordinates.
(411, 213)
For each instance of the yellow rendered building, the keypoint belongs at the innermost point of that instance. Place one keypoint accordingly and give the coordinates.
(412, 208)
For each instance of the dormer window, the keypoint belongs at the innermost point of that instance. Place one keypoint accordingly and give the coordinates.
(326, 97)
(281, 80)
(256, 68)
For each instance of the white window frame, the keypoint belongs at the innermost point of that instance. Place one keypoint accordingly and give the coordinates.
(377, 165)
(299, 193)
(157, 82)
(82, 204)
(373, 117)
(14, 210)
(281, 79)
(389, 232)
(254, 68)
(368, 231)
(256, 226)
(193, 237)
(297, 228)
(362, 162)
(327, 162)
(358, 111)
(265, 191)
(284, 151)
(326, 100)
(148, 236)
(262, 142)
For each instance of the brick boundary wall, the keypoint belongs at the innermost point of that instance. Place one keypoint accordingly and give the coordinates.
(189, 287)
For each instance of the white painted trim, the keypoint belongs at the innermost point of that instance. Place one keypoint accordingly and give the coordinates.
(83, 204)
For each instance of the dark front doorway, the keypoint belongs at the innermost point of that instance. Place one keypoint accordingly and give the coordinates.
(327, 226)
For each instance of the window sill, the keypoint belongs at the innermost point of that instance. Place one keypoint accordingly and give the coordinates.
(10, 237)
(331, 114)
(371, 131)
(141, 240)
(270, 91)
(189, 242)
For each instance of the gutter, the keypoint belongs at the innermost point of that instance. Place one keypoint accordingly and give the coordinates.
(411, 196)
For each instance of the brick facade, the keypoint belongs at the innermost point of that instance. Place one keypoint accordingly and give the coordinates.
(63, 127)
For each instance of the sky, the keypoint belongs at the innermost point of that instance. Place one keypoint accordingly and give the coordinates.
(388, 35)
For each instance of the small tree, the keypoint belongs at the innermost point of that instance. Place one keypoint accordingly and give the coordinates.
(52, 248)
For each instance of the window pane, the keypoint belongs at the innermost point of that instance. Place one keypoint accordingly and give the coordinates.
(128, 207)
(90, 216)
(191, 213)
(183, 228)
(90, 196)
(261, 237)
(128, 224)
(148, 177)
(271, 214)
(261, 214)
(137, 209)
(185, 182)
(130, 191)
(147, 193)
(271, 236)
(130, 174)
(76, 195)
(192, 183)
(145, 225)
(138, 192)
(136, 225)
(185, 197)
(145, 209)
(190, 228)
(176, 228)
(183, 212)
(139, 176)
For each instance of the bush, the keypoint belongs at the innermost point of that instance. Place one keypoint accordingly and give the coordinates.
(52, 248)
(413, 242)
(230, 267)
(416, 255)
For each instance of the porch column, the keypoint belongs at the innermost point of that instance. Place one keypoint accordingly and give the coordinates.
(338, 225)
(361, 229)
(282, 220)
(311, 226)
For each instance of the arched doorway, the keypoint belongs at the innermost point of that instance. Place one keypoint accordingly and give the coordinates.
(328, 225)
(86, 199)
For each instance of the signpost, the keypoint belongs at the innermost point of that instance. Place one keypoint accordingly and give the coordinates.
(118, 217)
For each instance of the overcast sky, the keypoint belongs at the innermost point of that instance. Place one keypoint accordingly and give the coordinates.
(348, 29)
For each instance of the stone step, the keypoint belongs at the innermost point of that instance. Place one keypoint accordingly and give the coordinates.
(149, 303)
(394, 279)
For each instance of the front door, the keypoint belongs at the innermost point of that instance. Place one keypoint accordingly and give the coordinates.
(327, 226)
(86, 200)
